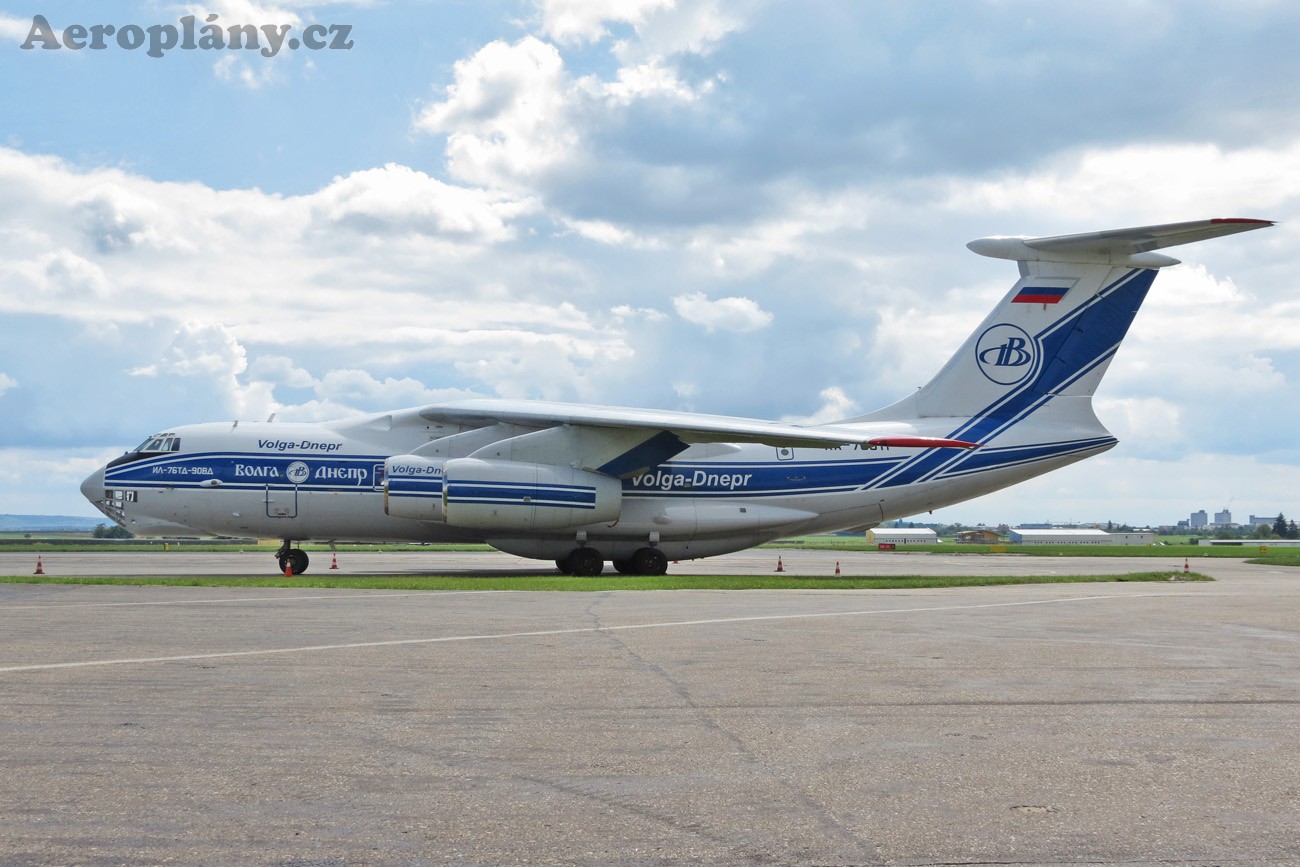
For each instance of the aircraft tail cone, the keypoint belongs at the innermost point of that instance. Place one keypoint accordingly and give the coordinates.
(334, 562)
(779, 566)
(40, 570)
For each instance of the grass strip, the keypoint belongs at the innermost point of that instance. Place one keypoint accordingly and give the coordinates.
(599, 583)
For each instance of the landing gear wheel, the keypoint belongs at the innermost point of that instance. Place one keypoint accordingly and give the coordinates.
(584, 562)
(563, 566)
(624, 567)
(649, 561)
(294, 560)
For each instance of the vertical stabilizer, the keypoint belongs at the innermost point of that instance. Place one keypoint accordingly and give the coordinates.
(1053, 335)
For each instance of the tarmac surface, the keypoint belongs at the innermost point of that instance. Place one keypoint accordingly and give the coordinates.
(752, 562)
(1134, 723)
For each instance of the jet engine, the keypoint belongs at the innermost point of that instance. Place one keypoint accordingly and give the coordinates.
(518, 496)
(413, 488)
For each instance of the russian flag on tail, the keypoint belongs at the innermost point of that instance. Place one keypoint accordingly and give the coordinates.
(1040, 294)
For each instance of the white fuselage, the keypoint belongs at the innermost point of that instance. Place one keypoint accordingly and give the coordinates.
(315, 481)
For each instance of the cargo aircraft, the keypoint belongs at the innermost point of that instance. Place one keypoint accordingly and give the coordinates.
(582, 485)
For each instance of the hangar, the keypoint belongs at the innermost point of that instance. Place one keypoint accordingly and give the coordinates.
(902, 536)
(1078, 537)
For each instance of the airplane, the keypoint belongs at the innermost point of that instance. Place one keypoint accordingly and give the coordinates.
(584, 484)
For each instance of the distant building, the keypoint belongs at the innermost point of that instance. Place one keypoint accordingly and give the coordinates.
(1134, 538)
(1200, 520)
(1223, 518)
(1025, 536)
(978, 537)
(902, 536)
(1260, 520)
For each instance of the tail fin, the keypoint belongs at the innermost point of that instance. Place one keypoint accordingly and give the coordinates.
(1053, 335)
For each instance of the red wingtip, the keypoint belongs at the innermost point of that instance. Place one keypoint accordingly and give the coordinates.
(921, 443)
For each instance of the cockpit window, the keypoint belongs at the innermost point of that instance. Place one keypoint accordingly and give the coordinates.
(164, 443)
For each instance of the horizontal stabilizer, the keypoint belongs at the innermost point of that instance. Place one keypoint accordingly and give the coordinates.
(1115, 246)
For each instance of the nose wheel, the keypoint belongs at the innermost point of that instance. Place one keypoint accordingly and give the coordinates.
(293, 561)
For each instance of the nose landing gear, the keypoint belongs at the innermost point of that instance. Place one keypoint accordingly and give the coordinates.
(293, 561)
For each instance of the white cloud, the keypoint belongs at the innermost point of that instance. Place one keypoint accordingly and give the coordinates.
(15, 28)
(649, 314)
(644, 81)
(506, 117)
(7, 382)
(357, 387)
(568, 21)
(53, 279)
(725, 314)
(1150, 180)
(514, 116)
(250, 68)
(279, 370)
(399, 200)
(1150, 426)
(836, 406)
(200, 349)
(38, 481)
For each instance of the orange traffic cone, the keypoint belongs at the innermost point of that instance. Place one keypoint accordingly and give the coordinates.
(39, 569)
(837, 567)
(779, 567)
(334, 562)
(1186, 566)
(288, 568)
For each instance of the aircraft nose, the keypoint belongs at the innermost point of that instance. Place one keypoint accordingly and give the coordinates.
(93, 487)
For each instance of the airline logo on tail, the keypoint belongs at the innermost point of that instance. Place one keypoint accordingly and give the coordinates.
(1006, 354)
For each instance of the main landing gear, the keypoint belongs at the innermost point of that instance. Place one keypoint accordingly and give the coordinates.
(585, 562)
(293, 561)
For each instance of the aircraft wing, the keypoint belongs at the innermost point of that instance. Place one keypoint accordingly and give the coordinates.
(688, 427)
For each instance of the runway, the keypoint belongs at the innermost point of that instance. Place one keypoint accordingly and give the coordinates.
(1093, 723)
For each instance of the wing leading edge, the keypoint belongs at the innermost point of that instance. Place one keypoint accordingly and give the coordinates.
(689, 427)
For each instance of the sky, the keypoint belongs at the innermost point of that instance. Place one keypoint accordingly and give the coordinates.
(728, 206)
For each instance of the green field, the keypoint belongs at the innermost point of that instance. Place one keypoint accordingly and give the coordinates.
(1277, 555)
(601, 582)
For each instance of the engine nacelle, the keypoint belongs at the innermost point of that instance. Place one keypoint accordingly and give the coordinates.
(513, 495)
(413, 488)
